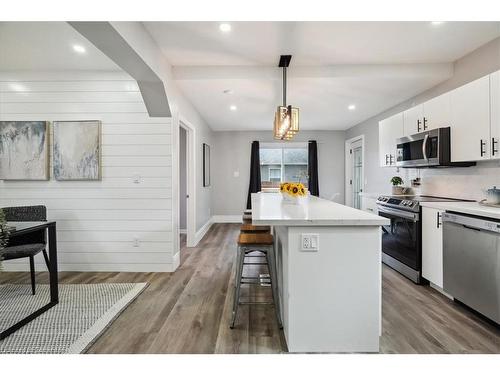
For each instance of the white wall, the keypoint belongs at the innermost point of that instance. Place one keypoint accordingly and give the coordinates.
(450, 182)
(231, 153)
(138, 38)
(98, 220)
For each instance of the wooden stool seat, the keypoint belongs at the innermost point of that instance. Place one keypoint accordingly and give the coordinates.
(255, 239)
(255, 228)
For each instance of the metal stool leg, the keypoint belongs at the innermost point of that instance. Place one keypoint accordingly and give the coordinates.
(271, 261)
(239, 272)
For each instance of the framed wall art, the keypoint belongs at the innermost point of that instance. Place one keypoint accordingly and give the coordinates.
(24, 150)
(77, 150)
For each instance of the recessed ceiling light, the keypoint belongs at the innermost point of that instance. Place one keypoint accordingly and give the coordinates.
(435, 23)
(225, 27)
(78, 48)
(233, 107)
(351, 107)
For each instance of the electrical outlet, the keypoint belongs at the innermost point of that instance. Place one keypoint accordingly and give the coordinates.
(309, 242)
(136, 242)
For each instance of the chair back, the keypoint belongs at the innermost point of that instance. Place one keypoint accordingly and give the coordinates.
(27, 213)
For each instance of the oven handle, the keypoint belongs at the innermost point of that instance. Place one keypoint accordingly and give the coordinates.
(424, 148)
(399, 213)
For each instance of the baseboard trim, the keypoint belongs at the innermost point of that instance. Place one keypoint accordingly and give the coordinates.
(201, 232)
(227, 219)
(176, 261)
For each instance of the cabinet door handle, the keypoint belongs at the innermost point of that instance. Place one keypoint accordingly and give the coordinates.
(425, 123)
(390, 159)
(493, 143)
(438, 223)
(386, 159)
(482, 144)
(418, 125)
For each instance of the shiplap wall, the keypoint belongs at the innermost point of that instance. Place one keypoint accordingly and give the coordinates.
(98, 221)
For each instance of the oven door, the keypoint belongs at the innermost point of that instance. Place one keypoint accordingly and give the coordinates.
(418, 150)
(401, 238)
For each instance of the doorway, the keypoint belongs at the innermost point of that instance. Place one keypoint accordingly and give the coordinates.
(187, 185)
(183, 192)
(354, 170)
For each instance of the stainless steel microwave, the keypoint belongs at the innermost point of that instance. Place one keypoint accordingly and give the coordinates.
(431, 148)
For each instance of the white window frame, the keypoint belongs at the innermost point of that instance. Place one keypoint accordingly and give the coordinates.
(282, 146)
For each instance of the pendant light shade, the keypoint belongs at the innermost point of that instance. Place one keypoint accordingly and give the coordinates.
(286, 118)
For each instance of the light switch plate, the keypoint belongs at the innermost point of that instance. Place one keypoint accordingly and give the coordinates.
(309, 242)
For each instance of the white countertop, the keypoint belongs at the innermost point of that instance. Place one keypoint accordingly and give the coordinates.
(471, 208)
(270, 209)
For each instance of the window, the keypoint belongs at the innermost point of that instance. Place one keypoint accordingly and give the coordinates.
(283, 163)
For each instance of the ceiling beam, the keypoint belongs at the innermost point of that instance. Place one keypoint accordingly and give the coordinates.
(442, 70)
(105, 37)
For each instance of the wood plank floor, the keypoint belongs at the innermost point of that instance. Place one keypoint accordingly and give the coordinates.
(188, 311)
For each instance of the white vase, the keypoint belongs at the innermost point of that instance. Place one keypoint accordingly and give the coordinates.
(397, 190)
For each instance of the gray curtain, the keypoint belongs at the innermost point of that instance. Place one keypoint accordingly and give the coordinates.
(254, 186)
(313, 168)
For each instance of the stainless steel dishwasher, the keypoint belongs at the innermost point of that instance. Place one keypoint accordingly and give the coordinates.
(471, 262)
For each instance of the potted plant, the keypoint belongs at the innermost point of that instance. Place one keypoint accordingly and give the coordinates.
(4, 235)
(396, 182)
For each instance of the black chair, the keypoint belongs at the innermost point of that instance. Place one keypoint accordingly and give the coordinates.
(31, 244)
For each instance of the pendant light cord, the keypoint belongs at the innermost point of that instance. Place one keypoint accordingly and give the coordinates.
(284, 86)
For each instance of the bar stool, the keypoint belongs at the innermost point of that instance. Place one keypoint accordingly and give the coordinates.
(248, 243)
(247, 218)
(250, 228)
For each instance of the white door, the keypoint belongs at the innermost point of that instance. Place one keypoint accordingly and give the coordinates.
(495, 114)
(470, 118)
(432, 246)
(413, 120)
(437, 112)
(354, 171)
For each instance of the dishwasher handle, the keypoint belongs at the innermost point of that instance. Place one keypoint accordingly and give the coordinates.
(474, 223)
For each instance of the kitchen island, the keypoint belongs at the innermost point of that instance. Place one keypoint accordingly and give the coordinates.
(329, 272)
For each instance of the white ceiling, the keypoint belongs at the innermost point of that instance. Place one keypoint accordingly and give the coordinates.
(47, 46)
(374, 65)
(321, 82)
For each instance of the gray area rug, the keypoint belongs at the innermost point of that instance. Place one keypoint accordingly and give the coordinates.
(83, 313)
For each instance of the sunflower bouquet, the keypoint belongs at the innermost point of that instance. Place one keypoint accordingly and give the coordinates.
(292, 191)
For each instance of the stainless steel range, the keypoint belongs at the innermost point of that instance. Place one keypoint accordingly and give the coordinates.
(402, 238)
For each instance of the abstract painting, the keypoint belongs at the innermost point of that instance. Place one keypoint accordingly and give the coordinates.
(77, 151)
(24, 150)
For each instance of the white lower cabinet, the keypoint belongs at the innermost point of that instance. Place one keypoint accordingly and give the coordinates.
(432, 245)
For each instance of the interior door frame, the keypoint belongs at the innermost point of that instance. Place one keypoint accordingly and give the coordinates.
(191, 181)
(348, 168)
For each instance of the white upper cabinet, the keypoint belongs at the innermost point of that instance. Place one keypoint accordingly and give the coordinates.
(470, 118)
(413, 118)
(495, 114)
(471, 111)
(437, 112)
(389, 129)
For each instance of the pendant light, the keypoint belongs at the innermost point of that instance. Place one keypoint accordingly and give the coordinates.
(286, 119)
